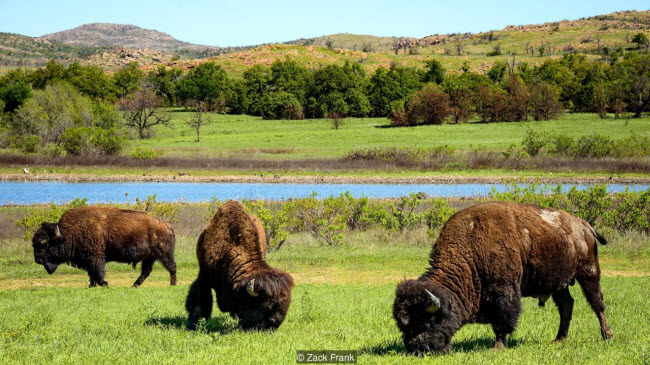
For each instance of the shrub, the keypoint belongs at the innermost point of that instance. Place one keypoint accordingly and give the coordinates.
(544, 104)
(632, 146)
(27, 143)
(109, 141)
(282, 105)
(323, 219)
(397, 217)
(595, 145)
(589, 204)
(53, 150)
(77, 141)
(31, 222)
(213, 206)
(141, 153)
(162, 210)
(534, 141)
(561, 145)
(437, 215)
(276, 224)
(632, 212)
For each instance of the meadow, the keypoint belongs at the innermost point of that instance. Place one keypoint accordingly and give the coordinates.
(342, 300)
(240, 145)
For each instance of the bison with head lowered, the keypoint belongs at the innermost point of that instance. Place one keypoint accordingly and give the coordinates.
(489, 256)
(231, 253)
(88, 237)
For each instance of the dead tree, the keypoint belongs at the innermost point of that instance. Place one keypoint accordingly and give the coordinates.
(142, 111)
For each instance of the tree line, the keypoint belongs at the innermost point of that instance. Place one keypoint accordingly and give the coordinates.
(39, 106)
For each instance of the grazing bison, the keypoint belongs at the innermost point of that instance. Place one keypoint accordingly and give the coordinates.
(231, 252)
(489, 256)
(89, 237)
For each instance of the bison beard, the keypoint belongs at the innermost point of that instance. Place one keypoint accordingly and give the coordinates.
(231, 253)
(89, 237)
(489, 256)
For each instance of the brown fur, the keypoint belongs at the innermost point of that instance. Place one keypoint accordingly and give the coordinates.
(486, 258)
(231, 252)
(91, 236)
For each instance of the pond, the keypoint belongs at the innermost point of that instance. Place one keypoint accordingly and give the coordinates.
(22, 193)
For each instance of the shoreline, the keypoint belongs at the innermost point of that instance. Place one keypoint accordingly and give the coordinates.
(292, 179)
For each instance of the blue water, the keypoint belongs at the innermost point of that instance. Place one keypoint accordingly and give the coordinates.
(59, 192)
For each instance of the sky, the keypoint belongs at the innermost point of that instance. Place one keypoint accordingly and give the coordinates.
(250, 22)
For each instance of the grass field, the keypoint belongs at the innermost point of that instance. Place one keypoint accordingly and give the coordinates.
(246, 136)
(342, 300)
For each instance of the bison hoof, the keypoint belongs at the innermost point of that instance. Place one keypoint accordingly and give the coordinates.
(498, 345)
(136, 285)
(607, 334)
(560, 338)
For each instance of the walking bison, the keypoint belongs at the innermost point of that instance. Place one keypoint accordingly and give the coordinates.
(486, 258)
(231, 253)
(88, 237)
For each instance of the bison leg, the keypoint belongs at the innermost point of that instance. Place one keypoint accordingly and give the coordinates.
(506, 314)
(564, 303)
(147, 266)
(96, 274)
(591, 289)
(199, 302)
(170, 265)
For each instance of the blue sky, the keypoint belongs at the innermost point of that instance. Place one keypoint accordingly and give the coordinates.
(248, 22)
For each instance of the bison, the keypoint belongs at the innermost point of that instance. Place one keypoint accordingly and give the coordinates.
(231, 254)
(88, 237)
(486, 258)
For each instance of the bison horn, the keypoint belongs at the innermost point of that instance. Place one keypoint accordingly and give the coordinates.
(435, 302)
(250, 288)
(57, 232)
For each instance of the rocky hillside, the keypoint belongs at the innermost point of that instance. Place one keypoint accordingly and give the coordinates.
(121, 35)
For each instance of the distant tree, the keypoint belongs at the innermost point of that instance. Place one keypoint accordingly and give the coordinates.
(387, 86)
(164, 83)
(256, 80)
(90, 80)
(53, 71)
(128, 79)
(600, 100)
(544, 102)
(518, 99)
(490, 103)
(207, 82)
(14, 89)
(632, 81)
(434, 72)
(458, 87)
(641, 40)
(199, 117)
(291, 77)
(282, 105)
(429, 106)
(237, 101)
(142, 112)
(498, 72)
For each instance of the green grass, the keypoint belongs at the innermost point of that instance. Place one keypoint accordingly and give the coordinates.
(246, 136)
(342, 300)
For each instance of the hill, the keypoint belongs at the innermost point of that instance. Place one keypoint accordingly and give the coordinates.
(121, 35)
(113, 45)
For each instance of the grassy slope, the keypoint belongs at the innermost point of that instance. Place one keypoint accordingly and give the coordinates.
(342, 300)
(585, 36)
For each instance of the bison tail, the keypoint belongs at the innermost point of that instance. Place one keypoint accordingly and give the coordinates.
(600, 238)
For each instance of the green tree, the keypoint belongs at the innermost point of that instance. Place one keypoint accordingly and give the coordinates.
(207, 82)
(164, 83)
(640, 39)
(128, 79)
(14, 89)
(256, 80)
(434, 72)
(90, 80)
(291, 77)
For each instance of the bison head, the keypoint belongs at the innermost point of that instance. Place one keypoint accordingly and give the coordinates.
(48, 243)
(423, 314)
(264, 300)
